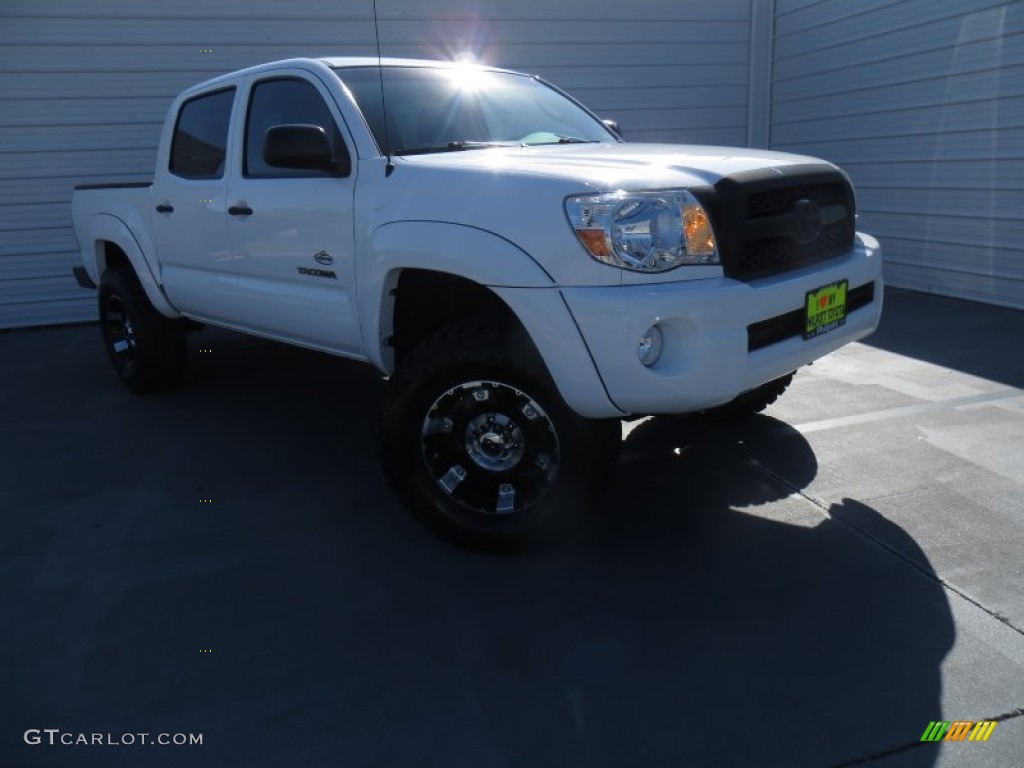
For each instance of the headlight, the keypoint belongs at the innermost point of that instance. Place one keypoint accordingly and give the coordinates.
(643, 231)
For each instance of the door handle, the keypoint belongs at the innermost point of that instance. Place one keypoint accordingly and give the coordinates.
(240, 210)
(165, 208)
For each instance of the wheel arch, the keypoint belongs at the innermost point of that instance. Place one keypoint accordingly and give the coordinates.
(476, 270)
(464, 263)
(114, 242)
(424, 301)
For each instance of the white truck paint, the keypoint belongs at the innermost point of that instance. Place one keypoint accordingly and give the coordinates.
(316, 256)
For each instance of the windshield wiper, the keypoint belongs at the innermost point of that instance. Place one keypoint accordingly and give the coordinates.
(566, 140)
(457, 146)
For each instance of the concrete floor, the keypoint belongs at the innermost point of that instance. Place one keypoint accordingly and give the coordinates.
(807, 588)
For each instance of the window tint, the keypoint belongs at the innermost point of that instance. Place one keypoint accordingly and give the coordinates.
(286, 102)
(434, 109)
(201, 136)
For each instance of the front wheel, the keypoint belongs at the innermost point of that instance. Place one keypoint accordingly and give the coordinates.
(480, 446)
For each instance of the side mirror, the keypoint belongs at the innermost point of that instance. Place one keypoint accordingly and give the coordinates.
(302, 147)
(613, 126)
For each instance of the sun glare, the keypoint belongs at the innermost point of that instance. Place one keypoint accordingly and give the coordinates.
(467, 74)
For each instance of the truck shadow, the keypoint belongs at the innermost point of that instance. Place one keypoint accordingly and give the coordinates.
(705, 617)
(754, 625)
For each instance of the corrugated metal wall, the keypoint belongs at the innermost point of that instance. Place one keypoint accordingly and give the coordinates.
(84, 87)
(922, 102)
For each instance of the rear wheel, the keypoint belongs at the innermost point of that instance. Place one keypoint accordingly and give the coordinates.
(480, 446)
(146, 349)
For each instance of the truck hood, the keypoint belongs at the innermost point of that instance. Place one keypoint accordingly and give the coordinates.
(519, 193)
(615, 166)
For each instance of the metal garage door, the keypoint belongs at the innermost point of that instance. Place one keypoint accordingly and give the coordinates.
(84, 87)
(922, 101)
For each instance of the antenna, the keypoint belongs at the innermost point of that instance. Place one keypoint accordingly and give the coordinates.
(390, 167)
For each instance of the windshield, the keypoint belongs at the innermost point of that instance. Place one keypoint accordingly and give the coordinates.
(460, 108)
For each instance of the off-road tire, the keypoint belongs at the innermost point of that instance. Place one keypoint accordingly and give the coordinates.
(147, 350)
(752, 402)
(480, 447)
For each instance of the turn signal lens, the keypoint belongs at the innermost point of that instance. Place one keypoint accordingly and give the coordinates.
(700, 240)
(594, 240)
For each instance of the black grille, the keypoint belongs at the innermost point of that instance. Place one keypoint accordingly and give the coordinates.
(776, 201)
(780, 254)
(777, 220)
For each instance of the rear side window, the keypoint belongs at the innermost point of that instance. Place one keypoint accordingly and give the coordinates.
(286, 101)
(200, 138)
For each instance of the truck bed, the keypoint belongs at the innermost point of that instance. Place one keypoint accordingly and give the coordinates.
(116, 185)
(111, 211)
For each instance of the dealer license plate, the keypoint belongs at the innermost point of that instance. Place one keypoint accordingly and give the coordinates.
(826, 309)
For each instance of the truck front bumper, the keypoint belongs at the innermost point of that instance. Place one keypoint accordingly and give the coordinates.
(721, 337)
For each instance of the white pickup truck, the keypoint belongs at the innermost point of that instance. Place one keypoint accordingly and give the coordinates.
(524, 277)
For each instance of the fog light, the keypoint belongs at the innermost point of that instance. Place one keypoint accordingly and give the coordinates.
(649, 348)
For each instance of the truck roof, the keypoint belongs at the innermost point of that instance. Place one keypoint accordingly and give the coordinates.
(332, 62)
(373, 61)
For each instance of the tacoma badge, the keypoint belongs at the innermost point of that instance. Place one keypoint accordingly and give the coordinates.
(318, 272)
